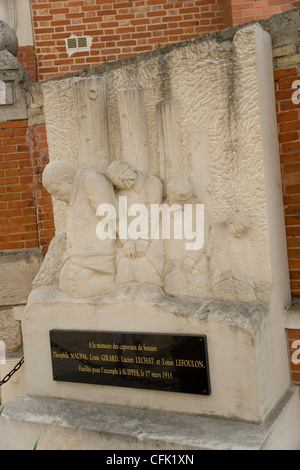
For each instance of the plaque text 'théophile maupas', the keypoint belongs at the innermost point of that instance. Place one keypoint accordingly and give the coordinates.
(176, 363)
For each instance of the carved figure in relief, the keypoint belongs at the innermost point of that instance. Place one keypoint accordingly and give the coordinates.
(141, 259)
(229, 259)
(185, 271)
(89, 263)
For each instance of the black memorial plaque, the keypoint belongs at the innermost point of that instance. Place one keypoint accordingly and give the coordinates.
(174, 363)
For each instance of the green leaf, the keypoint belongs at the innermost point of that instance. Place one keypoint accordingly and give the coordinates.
(1, 409)
(36, 442)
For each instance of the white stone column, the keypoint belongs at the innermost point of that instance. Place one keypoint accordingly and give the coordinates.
(133, 120)
(169, 132)
(91, 120)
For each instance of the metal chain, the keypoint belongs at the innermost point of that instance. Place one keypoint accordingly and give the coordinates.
(11, 373)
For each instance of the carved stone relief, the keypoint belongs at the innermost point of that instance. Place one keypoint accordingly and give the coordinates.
(171, 130)
(89, 263)
(92, 267)
(92, 130)
(229, 257)
(138, 260)
(185, 270)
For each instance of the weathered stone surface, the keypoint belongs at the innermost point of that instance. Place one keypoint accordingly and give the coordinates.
(235, 333)
(284, 50)
(35, 103)
(8, 39)
(282, 62)
(10, 330)
(67, 425)
(53, 262)
(14, 80)
(89, 263)
(18, 269)
(176, 114)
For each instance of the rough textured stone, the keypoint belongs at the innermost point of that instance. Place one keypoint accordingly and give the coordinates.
(8, 39)
(18, 269)
(284, 50)
(10, 330)
(66, 425)
(282, 62)
(199, 111)
(14, 80)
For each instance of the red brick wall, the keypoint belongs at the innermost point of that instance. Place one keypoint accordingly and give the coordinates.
(119, 28)
(288, 118)
(38, 147)
(26, 55)
(18, 227)
(26, 215)
(294, 349)
(249, 10)
(289, 145)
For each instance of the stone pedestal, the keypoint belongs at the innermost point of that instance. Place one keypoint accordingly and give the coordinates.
(68, 425)
(248, 408)
(236, 332)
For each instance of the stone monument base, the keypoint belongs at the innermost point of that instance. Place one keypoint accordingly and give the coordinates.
(70, 425)
(249, 404)
(241, 367)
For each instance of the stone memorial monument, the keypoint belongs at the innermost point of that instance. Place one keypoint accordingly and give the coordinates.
(159, 305)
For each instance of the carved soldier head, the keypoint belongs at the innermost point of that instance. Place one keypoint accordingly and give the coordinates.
(121, 175)
(237, 223)
(58, 179)
(179, 190)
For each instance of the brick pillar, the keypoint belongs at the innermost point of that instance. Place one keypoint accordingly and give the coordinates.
(294, 349)
(287, 78)
(26, 56)
(38, 147)
(26, 214)
(18, 227)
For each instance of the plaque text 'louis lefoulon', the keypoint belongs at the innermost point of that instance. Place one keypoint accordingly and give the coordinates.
(177, 363)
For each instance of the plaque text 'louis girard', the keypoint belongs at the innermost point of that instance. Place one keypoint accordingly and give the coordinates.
(155, 361)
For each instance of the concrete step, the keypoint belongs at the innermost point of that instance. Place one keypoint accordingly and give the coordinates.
(72, 425)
